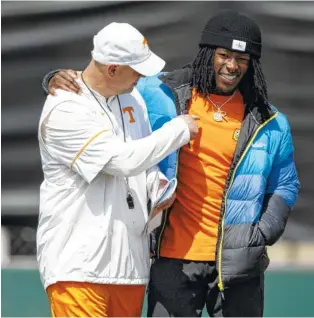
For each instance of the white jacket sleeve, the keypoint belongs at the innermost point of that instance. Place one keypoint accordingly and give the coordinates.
(76, 139)
(132, 158)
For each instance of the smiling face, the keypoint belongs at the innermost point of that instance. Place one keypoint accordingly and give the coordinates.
(230, 67)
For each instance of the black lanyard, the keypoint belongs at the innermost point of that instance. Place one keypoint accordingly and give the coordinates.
(129, 197)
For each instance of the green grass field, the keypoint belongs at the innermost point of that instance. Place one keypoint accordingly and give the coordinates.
(287, 294)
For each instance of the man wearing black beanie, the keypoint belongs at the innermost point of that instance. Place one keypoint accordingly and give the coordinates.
(237, 182)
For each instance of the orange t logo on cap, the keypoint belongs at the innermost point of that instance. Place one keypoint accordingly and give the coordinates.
(144, 42)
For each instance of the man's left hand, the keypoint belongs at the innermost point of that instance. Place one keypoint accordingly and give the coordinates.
(164, 205)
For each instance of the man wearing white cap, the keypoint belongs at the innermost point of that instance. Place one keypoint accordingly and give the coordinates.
(98, 158)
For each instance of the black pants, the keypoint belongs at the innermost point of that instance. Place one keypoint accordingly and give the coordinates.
(180, 288)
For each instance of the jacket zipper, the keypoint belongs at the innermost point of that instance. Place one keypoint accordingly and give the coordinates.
(179, 112)
(166, 213)
(220, 283)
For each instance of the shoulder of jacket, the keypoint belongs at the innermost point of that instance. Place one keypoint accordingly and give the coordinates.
(281, 119)
(69, 102)
(149, 83)
(134, 94)
(178, 77)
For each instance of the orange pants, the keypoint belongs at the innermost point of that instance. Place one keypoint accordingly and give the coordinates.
(76, 299)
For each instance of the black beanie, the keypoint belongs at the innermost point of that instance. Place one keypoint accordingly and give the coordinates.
(233, 31)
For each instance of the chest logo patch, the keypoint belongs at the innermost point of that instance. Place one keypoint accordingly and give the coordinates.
(130, 111)
(236, 134)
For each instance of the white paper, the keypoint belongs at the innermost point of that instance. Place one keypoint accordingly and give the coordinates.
(159, 196)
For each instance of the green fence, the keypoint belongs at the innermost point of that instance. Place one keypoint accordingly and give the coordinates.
(287, 294)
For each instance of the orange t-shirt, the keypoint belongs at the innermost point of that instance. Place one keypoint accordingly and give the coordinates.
(203, 169)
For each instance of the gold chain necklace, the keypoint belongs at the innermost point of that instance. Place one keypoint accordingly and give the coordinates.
(218, 115)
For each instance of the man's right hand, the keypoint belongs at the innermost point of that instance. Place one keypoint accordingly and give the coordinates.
(64, 80)
(190, 120)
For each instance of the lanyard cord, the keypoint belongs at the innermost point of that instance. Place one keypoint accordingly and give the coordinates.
(103, 108)
(95, 97)
(123, 126)
(122, 119)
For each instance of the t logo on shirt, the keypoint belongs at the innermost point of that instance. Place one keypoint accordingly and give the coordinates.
(130, 111)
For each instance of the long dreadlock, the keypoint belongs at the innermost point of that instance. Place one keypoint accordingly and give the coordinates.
(252, 86)
(203, 71)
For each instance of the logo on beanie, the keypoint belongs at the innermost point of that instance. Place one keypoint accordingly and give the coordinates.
(238, 45)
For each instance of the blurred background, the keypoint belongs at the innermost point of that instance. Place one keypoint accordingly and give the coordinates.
(41, 36)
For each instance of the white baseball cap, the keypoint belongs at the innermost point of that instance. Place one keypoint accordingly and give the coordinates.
(122, 44)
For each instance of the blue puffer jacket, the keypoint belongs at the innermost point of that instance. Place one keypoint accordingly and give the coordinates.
(262, 186)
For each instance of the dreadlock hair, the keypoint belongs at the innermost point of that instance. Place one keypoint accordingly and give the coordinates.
(203, 76)
(252, 86)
